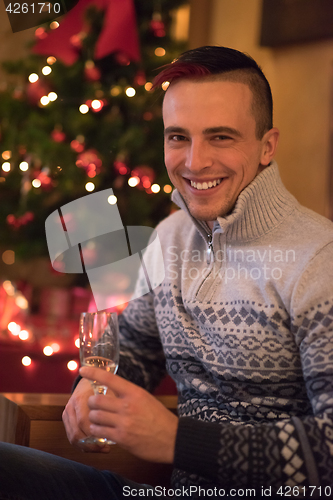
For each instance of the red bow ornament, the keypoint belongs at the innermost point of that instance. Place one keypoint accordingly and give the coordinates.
(119, 32)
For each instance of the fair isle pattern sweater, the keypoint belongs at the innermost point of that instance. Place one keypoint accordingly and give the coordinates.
(247, 335)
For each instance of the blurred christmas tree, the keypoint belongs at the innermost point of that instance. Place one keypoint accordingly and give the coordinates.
(88, 125)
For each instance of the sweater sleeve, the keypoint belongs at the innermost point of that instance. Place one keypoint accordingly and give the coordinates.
(295, 452)
(142, 359)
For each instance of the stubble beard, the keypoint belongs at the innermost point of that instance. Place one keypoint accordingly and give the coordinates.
(208, 214)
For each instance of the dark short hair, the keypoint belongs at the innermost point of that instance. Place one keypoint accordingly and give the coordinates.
(226, 64)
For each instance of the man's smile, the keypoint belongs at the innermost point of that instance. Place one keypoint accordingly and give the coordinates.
(205, 184)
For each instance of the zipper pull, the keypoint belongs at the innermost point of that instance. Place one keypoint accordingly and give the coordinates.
(210, 253)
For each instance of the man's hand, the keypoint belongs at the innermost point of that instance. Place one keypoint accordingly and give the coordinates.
(76, 417)
(132, 418)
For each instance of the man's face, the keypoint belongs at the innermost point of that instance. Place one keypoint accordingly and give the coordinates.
(211, 149)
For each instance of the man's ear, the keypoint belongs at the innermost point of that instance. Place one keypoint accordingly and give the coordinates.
(269, 145)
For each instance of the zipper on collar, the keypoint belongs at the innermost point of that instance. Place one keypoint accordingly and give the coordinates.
(210, 253)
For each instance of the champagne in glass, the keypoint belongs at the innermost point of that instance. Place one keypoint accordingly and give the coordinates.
(99, 347)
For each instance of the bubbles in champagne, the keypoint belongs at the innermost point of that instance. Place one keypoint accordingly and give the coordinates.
(100, 362)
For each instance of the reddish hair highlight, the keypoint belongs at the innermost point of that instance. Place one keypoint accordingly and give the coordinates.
(179, 70)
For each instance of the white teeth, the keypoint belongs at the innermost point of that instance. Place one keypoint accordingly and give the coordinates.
(205, 185)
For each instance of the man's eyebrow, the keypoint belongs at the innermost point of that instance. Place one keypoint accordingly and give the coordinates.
(175, 130)
(222, 130)
(206, 131)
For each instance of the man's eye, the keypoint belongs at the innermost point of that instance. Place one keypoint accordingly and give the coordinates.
(177, 137)
(221, 138)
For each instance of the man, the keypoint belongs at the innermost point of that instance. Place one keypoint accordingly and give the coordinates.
(243, 320)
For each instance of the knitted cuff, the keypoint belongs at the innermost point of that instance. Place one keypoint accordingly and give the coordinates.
(197, 447)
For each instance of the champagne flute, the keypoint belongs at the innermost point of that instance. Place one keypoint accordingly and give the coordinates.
(99, 347)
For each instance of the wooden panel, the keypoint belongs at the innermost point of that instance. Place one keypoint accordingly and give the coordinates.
(38, 425)
(294, 21)
(8, 420)
(37, 399)
(51, 437)
(200, 22)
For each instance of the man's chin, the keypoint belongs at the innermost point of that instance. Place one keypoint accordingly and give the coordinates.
(208, 216)
(202, 217)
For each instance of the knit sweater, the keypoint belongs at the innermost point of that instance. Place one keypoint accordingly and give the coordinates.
(243, 322)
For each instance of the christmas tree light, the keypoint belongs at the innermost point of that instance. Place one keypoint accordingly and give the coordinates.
(112, 200)
(5, 166)
(130, 92)
(33, 78)
(23, 335)
(24, 166)
(84, 109)
(72, 365)
(26, 361)
(48, 351)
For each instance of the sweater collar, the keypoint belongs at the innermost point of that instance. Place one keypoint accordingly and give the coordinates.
(260, 207)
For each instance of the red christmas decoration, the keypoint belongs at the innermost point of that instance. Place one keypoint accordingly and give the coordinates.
(45, 180)
(157, 25)
(140, 78)
(77, 146)
(27, 217)
(37, 90)
(121, 167)
(122, 59)
(17, 222)
(12, 221)
(57, 135)
(119, 33)
(144, 171)
(146, 175)
(91, 72)
(90, 162)
(97, 105)
(76, 40)
(40, 33)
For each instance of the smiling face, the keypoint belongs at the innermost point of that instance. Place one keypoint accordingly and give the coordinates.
(211, 149)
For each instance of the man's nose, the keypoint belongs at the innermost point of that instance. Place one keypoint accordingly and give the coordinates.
(198, 156)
